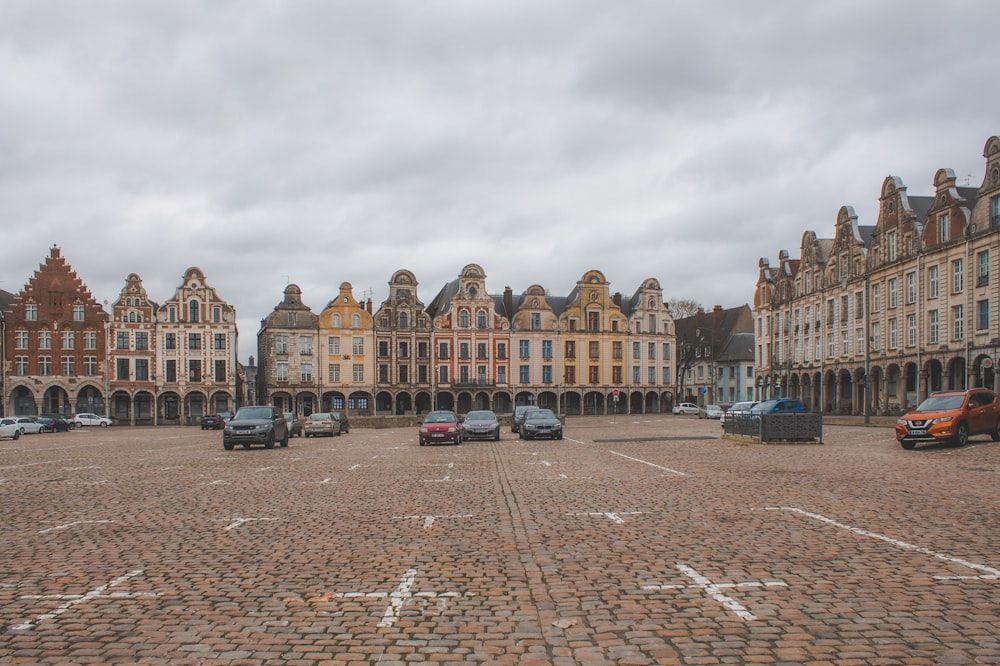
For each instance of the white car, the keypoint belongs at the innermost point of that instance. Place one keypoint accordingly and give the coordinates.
(9, 429)
(91, 420)
(710, 412)
(685, 408)
(27, 424)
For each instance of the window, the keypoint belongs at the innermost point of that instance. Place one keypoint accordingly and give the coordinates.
(636, 377)
(21, 339)
(170, 341)
(31, 312)
(932, 326)
(522, 374)
(194, 341)
(219, 373)
(932, 282)
(404, 349)
(90, 365)
(68, 340)
(481, 320)
(68, 366)
(666, 374)
(594, 374)
(593, 321)
(943, 228)
(463, 350)
(570, 374)
(89, 340)
(141, 340)
(637, 350)
(845, 344)
(121, 369)
(21, 366)
(281, 371)
(194, 370)
(501, 350)
(652, 376)
(831, 346)
(983, 314)
(333, 344)
(876, 297)
(546, 374)
(594, 349)
(957, 276)
(523, 349)
(44, 365)
(891, 245)
(893, 333)
(443, 374)
(893, 296)
(463, 319)
(358, 372)
(121, 340)
(617, 350)
(281, 344)
(217, 315)
(422, 348)
(666, 351)
(404, 374)
(481, 350)
(193, 309)
(171, 314)
(171, 370)
(404, 320)
(911, 330)
(383, 373)
(357, 346)
(911, 287)
(442, 350)
(335, 320)
(983, 268)
(501, 375)
(958, 322)
(333, 373)
(220, 342)
(141, 369)
(651, 351)
(356, 321)
(876, 336)
(995, 211)
(305, 372)
(546, 349)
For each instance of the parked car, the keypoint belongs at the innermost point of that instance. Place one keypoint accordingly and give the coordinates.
(737, 410)
(255, 425)
(517, 418)
(685, 408)
(710, 412)
(55, 423)
(481, 424)
(10, 430)
(212, 422)
(294, 425)
(28, 424)
(345, 425)
(440, 427)
(951, 417)
(90, 419)
(226, 416)
(778, 406)
(541, 423)
(321, 423)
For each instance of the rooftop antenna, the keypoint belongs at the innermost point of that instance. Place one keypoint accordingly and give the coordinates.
(288, 279)
(968, 180)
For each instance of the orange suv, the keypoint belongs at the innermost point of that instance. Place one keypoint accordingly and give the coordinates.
(951, 417)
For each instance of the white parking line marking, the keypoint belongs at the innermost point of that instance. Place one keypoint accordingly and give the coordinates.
(646, 462)
(990, 572)
(73, 524)
(429, 520)
(713, 590)
(397, 598)
(613, 516)
(241, 521)
(75, 599)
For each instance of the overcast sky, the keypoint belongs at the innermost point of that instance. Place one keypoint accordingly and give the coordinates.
(327, 142)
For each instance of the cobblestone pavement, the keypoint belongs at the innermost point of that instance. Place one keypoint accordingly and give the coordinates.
(649, 540)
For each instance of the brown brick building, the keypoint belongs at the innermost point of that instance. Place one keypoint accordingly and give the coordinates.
(55, 349)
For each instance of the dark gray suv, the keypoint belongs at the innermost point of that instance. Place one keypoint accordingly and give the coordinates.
(256, 425)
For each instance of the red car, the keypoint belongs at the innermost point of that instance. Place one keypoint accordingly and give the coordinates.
(440, 428)
(951, 417)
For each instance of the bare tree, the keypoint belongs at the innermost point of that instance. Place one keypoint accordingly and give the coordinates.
(683, 307)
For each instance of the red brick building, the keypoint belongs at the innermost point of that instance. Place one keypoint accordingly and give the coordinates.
(55, 349)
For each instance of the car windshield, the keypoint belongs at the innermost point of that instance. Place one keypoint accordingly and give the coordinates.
(480, 416)
(320, 416)
(537, 414)
(765, 406)
(440, 418)
(941, 402)
(250, 413)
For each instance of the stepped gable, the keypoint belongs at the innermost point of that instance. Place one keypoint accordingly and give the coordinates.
(54, 285)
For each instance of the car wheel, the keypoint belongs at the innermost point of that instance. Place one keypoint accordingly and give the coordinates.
(962, 434)
(228, 446)
(284, 442)
(496, 437)
(104, 424)
(995, 433)
(17, 435)
(269, 443)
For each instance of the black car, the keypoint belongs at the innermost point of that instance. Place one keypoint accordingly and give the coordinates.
(256, 425)
(541, 423)
(345, 425)
(55, 423)
(212, 422)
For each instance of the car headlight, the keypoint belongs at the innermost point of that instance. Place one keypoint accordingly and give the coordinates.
(943, 419)
(902, 422)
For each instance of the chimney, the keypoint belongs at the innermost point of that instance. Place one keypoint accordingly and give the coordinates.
(508, 301)
(617, 298)
(368, 305)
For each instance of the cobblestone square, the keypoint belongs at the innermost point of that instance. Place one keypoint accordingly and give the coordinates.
(635, 540)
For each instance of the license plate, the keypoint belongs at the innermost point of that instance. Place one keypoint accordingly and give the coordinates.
(918, 432)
